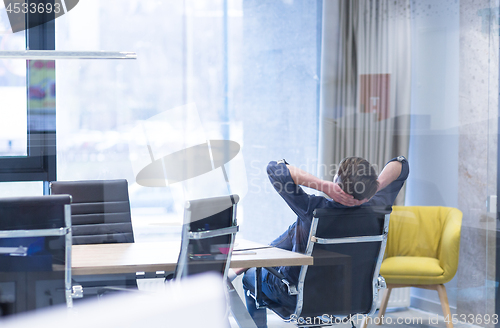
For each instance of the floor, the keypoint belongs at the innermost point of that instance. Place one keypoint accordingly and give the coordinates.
(407, 317)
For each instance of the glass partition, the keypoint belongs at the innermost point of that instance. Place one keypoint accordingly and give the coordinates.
(251, 70)
(307, 81)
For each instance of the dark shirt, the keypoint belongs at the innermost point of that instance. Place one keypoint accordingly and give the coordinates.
(304, 204)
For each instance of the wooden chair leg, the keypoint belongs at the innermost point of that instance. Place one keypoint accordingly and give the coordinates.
(383, 305)
(364, 324)
(443, 297)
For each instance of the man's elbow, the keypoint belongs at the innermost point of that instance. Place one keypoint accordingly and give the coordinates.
(271, 167)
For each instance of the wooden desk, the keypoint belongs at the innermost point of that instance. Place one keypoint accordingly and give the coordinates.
(152, 257)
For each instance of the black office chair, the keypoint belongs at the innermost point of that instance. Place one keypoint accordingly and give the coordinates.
(208, 236)
(348, 247)
(100, 213)
(100, 210)
(35, 253)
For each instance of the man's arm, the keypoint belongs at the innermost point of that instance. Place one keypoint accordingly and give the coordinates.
(389, 174)
(333, 190)
(391, 180)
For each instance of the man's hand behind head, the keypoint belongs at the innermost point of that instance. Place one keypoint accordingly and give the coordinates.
(336, 193)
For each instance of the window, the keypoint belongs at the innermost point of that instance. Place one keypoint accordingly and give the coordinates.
(27, 88)
(251, 68)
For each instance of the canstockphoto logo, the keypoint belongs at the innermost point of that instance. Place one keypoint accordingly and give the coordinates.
(25, 14)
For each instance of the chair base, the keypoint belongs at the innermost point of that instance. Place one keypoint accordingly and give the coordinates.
(443, 297)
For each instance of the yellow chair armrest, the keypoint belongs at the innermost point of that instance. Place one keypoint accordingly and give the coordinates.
(450, 244)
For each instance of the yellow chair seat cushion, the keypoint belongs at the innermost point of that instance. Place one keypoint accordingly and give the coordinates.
(411, 270)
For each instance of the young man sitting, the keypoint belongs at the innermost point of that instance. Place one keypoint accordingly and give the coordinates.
(355, 184)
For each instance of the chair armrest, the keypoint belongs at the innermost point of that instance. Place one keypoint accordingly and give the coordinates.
(292, 289)
(450, 244)
(381, 284)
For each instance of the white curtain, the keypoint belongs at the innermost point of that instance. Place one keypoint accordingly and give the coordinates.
(365, 82)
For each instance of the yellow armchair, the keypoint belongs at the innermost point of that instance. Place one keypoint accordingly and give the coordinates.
(422, 250)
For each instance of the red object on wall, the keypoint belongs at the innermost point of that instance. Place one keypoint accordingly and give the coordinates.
(374, 94)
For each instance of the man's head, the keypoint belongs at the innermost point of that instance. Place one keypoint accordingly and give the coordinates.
(357, 177)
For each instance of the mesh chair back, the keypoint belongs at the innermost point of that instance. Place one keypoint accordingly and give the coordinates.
(208, 236)
(100, 210)
(341, 281)
(35, 249)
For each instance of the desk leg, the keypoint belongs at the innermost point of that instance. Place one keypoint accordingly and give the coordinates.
(238, 309)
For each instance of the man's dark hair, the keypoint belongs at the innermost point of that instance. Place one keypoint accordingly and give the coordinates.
(357, 177)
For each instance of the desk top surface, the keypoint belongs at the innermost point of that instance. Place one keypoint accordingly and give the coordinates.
(162, 256)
